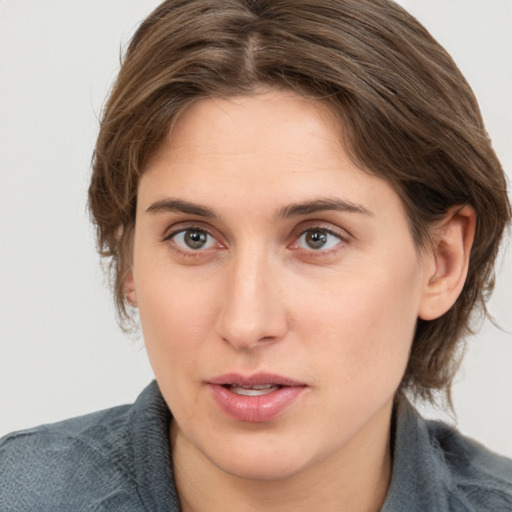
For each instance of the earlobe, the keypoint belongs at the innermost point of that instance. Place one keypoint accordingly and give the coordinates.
(129, 288)
(449, 262)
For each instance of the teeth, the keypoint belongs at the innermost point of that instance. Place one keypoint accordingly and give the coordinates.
(254, 390)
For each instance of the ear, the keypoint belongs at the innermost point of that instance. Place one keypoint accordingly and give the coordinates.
(129, 288)
(448, 262)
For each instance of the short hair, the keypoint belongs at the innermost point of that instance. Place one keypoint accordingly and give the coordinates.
(408, 116)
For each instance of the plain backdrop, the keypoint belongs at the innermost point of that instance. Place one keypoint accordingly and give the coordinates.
(61, 352)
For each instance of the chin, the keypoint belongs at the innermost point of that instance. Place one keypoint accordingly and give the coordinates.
(258, 468)
(262, 460)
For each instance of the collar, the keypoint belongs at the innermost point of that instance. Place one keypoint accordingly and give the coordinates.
(419, 482)
(149, 428)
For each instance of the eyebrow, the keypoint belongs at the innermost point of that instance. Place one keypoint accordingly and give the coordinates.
(292, 210)
(320, 205)
(178, 205)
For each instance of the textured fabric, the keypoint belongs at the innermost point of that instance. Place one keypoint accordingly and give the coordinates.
(113, 460)
(435, 469)
(119, 460)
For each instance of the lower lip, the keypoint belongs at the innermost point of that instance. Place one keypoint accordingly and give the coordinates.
(255, 409)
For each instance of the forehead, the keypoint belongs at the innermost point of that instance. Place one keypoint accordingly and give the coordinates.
(269, 123)
(275, 146)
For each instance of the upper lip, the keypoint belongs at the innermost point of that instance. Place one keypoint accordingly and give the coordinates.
(256, 379)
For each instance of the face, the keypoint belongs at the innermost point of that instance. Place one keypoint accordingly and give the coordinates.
(278, 286)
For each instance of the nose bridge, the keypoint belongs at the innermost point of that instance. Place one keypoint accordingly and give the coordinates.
(252, 311)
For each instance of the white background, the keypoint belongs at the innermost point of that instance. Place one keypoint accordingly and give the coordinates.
(61, 352)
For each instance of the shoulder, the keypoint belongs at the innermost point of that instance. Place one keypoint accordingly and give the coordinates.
(479, 478)
(61, 465)
(435, 468)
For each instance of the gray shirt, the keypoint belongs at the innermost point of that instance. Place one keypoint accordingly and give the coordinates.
(119, 460)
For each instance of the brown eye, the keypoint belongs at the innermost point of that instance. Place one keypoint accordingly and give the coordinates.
(318, 239)
(193, 239)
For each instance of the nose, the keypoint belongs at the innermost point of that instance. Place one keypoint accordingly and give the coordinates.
(252, 306)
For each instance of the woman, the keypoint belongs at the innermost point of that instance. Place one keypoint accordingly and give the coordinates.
(301, 202)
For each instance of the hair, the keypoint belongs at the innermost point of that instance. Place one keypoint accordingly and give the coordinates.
(408, 116)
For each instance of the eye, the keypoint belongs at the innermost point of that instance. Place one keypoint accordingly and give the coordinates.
(193, 239)
(318, 239)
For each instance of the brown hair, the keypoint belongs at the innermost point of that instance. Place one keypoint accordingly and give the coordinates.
(408, 113)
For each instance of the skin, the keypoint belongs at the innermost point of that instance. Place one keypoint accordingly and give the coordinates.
(259, 297)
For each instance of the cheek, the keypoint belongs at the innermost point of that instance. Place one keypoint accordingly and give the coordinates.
(174, 322)
(173, 315)
(175, 311)
(363, 325)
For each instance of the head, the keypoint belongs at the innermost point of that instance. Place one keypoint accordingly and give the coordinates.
(402, 110)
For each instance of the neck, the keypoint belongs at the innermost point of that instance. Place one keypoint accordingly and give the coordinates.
(356, 481)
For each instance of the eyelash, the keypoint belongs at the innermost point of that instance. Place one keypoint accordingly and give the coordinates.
(342, 239)
(191, 253)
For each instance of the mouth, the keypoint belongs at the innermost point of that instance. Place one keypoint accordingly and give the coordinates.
(254, 390)
(255, 385)
(256, 398)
